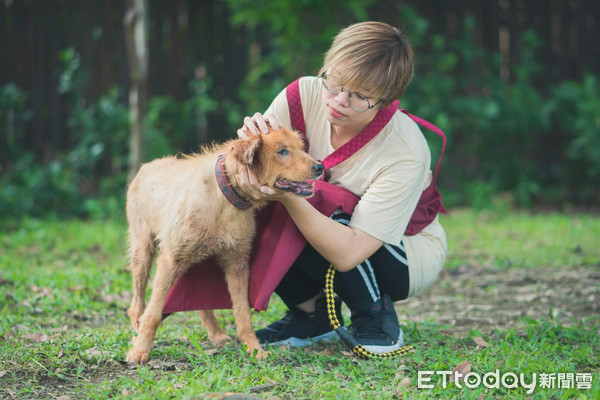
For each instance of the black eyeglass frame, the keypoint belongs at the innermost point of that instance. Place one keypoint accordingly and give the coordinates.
(369, 106)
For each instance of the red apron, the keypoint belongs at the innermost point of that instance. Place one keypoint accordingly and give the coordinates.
(278, 242)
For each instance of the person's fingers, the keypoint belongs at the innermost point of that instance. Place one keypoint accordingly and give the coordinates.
(251, 125)
(252, 179)
(259, 119)
(267, 190)
(249, 182)
(257, 124)
(242, 133)
(271, 120)
(241, 177)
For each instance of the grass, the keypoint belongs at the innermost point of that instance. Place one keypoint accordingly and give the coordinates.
(64, 291)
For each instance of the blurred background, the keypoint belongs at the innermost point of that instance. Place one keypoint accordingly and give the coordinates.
(89, 89)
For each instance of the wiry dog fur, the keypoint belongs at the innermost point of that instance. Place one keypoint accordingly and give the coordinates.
(176, 205)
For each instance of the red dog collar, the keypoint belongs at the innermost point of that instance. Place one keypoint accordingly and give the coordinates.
(225, 185)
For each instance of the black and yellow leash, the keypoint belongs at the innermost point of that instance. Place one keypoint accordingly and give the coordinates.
(348, 339)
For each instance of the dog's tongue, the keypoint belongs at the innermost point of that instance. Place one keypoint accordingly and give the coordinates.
(303, 189)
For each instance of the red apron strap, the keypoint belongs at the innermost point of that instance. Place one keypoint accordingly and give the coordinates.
(292, 93)
(382, 118)
(351, 147)
(434, 129)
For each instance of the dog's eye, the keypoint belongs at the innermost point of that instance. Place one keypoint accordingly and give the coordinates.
(283, 152)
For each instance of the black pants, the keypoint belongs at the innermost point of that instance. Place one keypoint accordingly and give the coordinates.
(386, 271)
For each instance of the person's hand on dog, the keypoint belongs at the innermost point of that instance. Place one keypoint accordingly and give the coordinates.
(250, 184)
(257, 124)
(254, 126)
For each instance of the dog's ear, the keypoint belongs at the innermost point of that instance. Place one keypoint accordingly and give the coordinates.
(246, 151)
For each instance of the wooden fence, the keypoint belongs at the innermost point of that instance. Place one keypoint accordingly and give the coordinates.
(33, 32)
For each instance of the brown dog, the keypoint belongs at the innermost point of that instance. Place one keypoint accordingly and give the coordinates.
(177, 205)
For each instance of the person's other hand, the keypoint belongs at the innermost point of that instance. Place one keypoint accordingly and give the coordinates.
(250, 185)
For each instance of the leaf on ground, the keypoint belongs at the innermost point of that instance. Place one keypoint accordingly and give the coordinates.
(480, 342)
(459, 372)
(405, 382)
(212, 352)
(328, 352)
(262, 387)
(95, 352)
(116, 298)
(2, 373)
(37, 337)
(63, 328)
(46, 291)
(230, 396)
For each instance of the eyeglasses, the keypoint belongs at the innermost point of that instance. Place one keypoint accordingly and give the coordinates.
(357, 101)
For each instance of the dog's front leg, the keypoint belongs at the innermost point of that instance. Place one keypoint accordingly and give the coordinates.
(237, 274)
(167, 272)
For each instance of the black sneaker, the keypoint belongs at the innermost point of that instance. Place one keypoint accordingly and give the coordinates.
(298, 328)
(379, 331)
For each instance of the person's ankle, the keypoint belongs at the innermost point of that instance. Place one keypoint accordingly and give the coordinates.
(309, 305)
(366, 309)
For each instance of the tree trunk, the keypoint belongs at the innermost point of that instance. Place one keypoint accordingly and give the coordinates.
(136, 40)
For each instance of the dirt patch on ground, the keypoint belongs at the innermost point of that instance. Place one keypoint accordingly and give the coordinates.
(486, 298)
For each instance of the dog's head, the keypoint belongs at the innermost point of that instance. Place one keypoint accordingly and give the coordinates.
(279, 161)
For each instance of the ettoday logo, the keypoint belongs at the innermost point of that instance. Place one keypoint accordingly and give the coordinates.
(508, 380)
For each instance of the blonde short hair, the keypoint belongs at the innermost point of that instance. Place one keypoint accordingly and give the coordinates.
(372, 58)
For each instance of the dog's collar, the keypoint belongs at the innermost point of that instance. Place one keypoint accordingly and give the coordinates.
(225, 185)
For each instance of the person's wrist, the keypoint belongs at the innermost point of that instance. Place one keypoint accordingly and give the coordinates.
(288, 199)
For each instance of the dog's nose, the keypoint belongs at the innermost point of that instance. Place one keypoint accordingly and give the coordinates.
(318, 169)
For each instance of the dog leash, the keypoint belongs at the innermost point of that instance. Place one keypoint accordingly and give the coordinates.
(348, 339)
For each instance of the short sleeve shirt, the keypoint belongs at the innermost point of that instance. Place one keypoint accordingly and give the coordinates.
(388, 174)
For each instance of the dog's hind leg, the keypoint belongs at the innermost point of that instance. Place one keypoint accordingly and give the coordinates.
(142, 253)
(216, 334)
(167, 271)
(237, 275)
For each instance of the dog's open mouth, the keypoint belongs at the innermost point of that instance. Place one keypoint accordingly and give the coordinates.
(303, 189)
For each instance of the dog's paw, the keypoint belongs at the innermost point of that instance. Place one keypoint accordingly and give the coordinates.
(258, 353)
(137, 356)
(219, 339)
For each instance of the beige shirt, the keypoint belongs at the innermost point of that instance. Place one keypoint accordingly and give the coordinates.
(388, 174)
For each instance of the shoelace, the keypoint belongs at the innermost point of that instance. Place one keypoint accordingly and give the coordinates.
(348, 339)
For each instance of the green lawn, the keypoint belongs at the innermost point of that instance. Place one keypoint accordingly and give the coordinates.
(64, 333)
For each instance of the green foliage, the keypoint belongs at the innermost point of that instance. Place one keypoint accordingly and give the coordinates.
(507, 133)
(68, 184)
(300, 32)
(13, 114)
(504, 134)
(89, 178)
(173, 126)
(574, 111)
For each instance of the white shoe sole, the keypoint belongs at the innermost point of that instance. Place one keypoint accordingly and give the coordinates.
(386, 349)
(297, 342)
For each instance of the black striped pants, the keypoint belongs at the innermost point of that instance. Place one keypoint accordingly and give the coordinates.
(386, 271)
